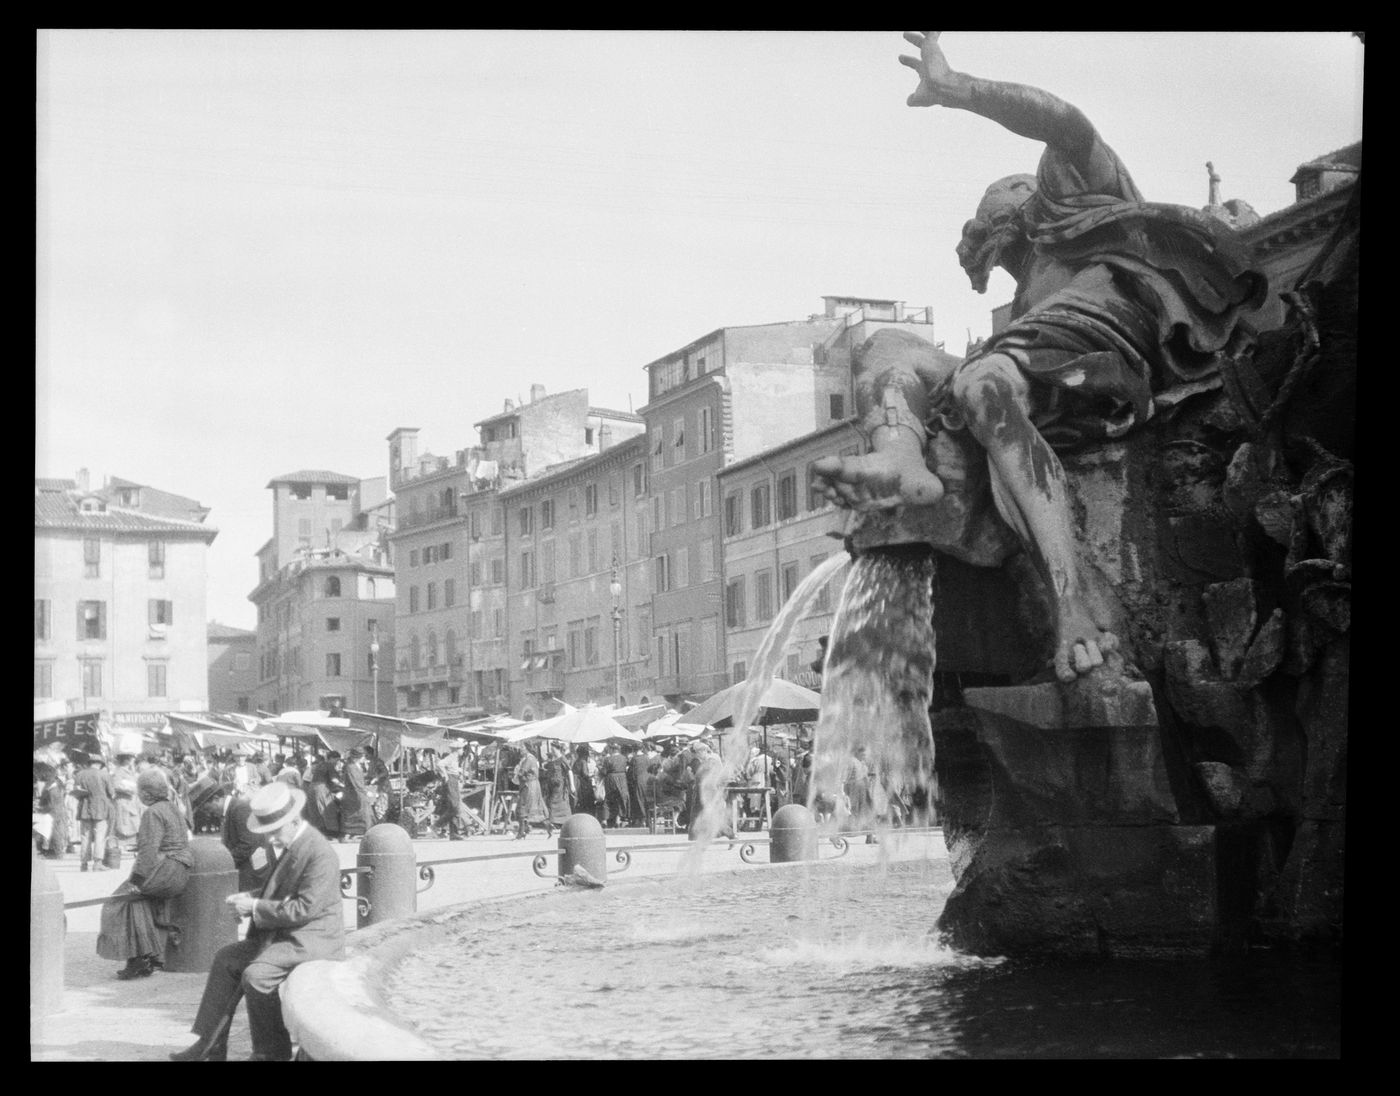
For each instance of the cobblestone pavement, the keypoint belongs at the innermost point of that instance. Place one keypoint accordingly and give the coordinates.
(103, 1019)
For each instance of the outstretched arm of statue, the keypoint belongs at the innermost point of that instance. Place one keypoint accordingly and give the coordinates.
(1026, 111)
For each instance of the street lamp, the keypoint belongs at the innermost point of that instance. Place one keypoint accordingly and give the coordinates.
(374, 666)
(615, 588)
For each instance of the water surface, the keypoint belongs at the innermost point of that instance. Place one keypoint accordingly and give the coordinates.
(824, 961)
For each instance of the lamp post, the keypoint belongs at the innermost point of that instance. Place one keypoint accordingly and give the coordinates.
(374, 666)
(615, 588)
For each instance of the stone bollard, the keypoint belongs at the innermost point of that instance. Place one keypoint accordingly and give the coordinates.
(203, 920)
(389, 888)
(46, 931)
(581, 845)
(793, 835)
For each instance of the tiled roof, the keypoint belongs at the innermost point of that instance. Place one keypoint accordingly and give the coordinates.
(227, 631)
(54, 484)
(55, 511)
(153, 500)
(313, 475)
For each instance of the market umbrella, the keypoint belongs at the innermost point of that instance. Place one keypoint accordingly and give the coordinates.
(670, 726)
(636, 716)
(586, 724)
(782, 702)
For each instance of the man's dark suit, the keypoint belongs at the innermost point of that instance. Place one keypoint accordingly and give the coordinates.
(297, 917)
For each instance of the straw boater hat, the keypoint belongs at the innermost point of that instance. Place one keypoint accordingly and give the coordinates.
(273, 805)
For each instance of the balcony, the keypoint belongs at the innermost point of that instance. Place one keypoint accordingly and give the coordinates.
(543, 671)
(431, 516)
(549, 680)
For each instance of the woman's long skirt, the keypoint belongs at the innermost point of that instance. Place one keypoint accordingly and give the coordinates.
(530, 807)
(134, 918)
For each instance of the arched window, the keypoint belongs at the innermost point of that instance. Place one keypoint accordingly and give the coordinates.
(415, 653)
(432, 649)
(450, 647)
(369, 588)
(333, 586)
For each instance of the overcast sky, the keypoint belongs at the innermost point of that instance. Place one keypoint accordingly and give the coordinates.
(263, 251)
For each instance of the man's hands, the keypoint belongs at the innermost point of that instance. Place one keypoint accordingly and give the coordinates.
(242, 903)
(939, 85)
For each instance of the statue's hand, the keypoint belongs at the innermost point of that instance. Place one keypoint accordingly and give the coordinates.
(939, 85)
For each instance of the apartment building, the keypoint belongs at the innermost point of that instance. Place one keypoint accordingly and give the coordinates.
(325, 595)
(233, 668)
(578, 597)
(119, 601)
(458, 650)
(777, 529)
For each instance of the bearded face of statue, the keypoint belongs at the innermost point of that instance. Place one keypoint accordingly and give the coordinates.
(995, 235)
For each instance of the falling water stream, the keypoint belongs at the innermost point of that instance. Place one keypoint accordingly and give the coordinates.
(876, 685)
(713, 811)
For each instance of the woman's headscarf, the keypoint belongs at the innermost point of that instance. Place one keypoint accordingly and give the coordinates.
(151, 783)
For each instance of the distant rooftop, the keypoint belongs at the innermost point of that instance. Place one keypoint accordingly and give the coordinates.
(226, 631)
(313, 475)
(62, 510)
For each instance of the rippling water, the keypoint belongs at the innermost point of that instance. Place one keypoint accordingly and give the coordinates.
(822, 961)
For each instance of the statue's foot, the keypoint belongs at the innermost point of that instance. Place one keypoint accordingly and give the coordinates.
(878, 480)
(1080, 642)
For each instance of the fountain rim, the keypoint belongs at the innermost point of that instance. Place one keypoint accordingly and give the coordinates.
(336, 1010)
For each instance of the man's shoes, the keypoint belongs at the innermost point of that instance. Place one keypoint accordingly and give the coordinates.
(85, 866)
(206, 1050)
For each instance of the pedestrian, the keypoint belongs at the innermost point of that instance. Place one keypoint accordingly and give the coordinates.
(529, 809)
(248, 849)
(295, 918)
(133, 923)
(452, 799)
(354, 797)
(585, 771)
(52, 803)
(614, 767)
(638, 777)
(557, 787)
(97, 803)
(126, 819)
(322, 810)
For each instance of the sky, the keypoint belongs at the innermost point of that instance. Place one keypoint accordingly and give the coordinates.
(262, 251)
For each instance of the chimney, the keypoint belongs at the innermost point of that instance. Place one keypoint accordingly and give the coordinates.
(82, 478)
(510, 406)
(536, 393)
(605, 438)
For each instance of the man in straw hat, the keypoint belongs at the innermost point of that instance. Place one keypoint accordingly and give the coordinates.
(295, 917)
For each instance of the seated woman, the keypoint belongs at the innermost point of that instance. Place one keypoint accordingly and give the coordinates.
(132, 919)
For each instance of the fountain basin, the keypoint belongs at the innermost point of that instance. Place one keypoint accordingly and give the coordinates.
(797, 960)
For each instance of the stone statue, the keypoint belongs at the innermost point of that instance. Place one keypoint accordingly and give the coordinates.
(1122, 306)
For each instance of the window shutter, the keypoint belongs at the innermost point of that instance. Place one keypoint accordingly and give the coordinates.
(101, 620)
(82, 633)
